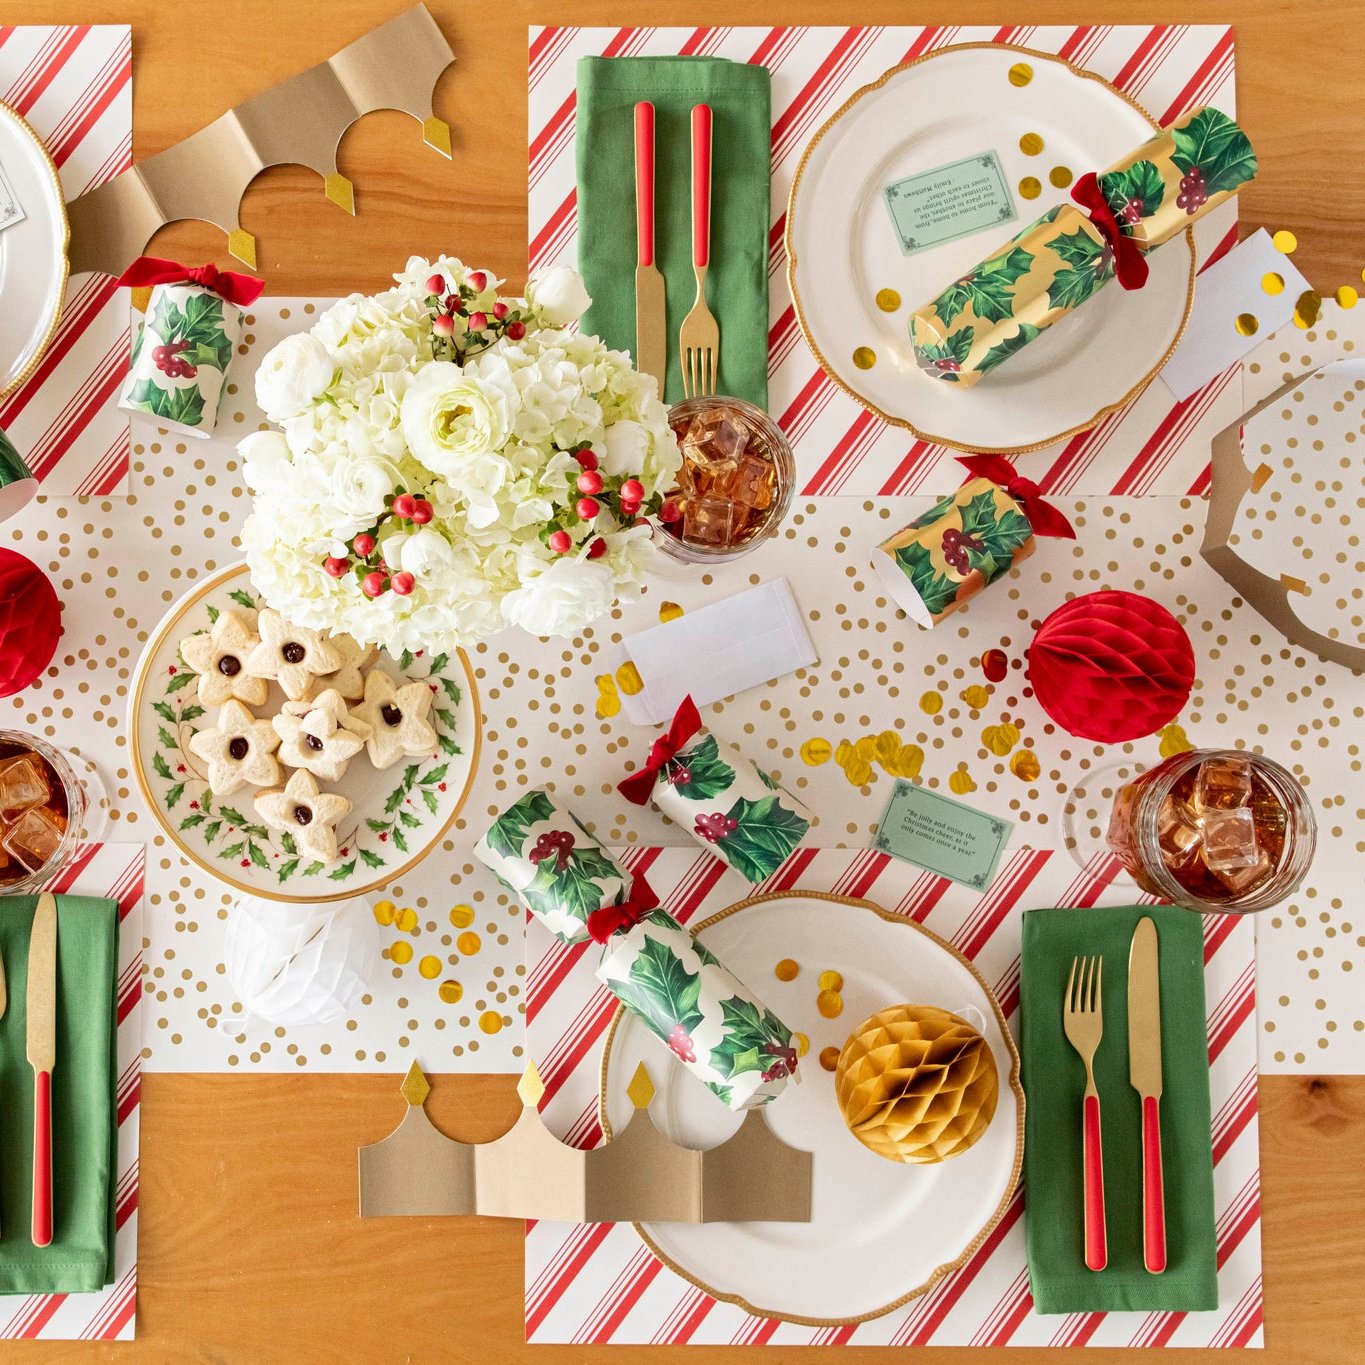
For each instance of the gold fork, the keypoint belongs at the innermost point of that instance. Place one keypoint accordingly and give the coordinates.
(699, 339)
(1083, 1020)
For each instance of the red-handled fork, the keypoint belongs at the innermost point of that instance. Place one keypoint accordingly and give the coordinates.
(1083, 1021)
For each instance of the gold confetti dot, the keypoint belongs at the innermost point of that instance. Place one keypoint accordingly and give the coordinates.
(1272, 282)
(801, 1043)
(628, 679)
(787, 970)
(462, 916)
(1284, 241)
(401, 952)
(843, 752)
(931, 703)
(814, 752)
(1031, 144)
(888, 300)
(468, 943)
(1025, 765)
(608, 702)
(450, 992)
(960, 782)
(858, 771)
(908, 762)
(384, 912)
(406, 920)
(1060, 176)
(866, 748)
(669, 611)
(1174, 741)
(490, 1022)
(830, 1004)
(1306, 309)
(887, 747)
(831, 981)
(1347, 297)
(1030, 187)
(864, 357)
(829, 1058)
(1000, 739)
(430, 967)
(1247, 324)
(976, 696)
(1021, 73)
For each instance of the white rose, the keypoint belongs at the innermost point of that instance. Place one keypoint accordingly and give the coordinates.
(557, 295)
(292, 375)
(449, 415)
(425, 554)
(627, 443)
(359, 487)
(265, 460)
(563, 599)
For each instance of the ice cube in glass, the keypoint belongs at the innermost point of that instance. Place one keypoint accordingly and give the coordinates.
(709, 521)
(729, 438)
(1230, 839)
(34, 837)
(753, 481)
(1177, 826)
(23, 783)
(1224, 783)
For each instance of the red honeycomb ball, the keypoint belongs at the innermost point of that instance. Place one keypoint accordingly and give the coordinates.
(30, 622)
(1111, 666)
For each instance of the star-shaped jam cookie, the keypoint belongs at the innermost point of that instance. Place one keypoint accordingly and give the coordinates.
(397, 717)
(356, 660)
(320, 735)
(308, 813)
(219, 657)
(293, 655)
(239, 750)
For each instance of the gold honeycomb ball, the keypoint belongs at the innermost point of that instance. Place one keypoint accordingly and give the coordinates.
(916, 1084)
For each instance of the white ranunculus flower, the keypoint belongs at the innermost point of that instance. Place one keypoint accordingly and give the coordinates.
(627, 443)
(292, 375)
(360, 485)
(425, 554)
(563, 599)
(450, 415)
(557, 295)
(265, 460)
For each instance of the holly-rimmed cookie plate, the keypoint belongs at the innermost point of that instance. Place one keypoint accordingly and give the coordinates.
(398, 814)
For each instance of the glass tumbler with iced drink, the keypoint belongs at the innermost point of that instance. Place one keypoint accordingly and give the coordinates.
(42, 811)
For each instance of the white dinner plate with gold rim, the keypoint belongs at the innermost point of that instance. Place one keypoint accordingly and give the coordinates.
(880, 1232)
(399, 813)
(33, 261)
(842, 250)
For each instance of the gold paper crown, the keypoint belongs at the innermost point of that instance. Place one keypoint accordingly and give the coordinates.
(639, 1176)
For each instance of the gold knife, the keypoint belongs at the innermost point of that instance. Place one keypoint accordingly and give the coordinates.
(651, 335)
(1144, 1071)
(41, 1016)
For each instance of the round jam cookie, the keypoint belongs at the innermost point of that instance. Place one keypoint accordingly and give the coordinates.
(397, 717)
(239, 750)
(320, 735)
(292, 655)
(309, 814)
(219, 657)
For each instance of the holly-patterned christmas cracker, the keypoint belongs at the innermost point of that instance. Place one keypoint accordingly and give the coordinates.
(1056, 263)
(711, 1022)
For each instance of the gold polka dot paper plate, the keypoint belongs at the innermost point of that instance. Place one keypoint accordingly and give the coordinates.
(396, 813)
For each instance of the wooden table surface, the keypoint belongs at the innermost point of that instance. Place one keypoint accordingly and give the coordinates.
(251, 1250)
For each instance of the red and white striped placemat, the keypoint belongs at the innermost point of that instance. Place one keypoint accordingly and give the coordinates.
(592, 1284)
(115, 871)
(1155, 445)
(74, 85)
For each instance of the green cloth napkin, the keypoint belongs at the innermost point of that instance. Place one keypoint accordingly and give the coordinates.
(84, 1120)
(741, 158)
(1054, 1078)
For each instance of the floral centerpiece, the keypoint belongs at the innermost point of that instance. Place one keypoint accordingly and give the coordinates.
(452, 461)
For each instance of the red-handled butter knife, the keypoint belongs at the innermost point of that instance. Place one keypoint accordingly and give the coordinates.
(41, 1019)
(1144, 1071)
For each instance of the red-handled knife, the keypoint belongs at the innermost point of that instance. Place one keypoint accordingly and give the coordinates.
(1144, 1072)
(41, 1018)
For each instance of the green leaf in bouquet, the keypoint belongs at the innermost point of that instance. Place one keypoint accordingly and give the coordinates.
(764, 836)
(707, 773)
(1213, 144)
(988, 290)
(661, 989)
(1003, 350)
(1140, 183)
(507, 834)
(935, 590)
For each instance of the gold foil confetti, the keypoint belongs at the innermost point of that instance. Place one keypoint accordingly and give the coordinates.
(401, 952)
(801, 1043)
(1030, 187)
(462, 916)
(1020, 74)
(1174, 741)
(831, 981)
(866, 748)
(384, 912)
(829, 1058)
(608, 703)
(430, 967)
(830, 1004)
(450, 992)
(406, 920)
(841, 754)
(887, 747)
(490, 1021)
(909, 761)
(1000, 739)
(1031, 144)
(814, 752)
(1306, 309)
(888, 300)
(628, 679)
(1347, 297)
(787, 970)
(1247, 324)
(468, 943)
(1025, 765)
(1284, 241)
(1272, 282)
(858, 771)
(931, 703)
(1060, 176)
(864, 357)
(976, 696)
(669, 611)
(960, 782)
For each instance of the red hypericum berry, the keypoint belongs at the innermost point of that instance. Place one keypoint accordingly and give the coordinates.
(589, 481)
(586, 458)
(597, 549)
(404, 505)
(516, 330)
(442, 326)
(478, 321)
(632, 491)
(436, 284)
(629, 509)
(422, 512)
(670, 511)
(372, 584)
(561, 542)
(402, 583)
(478, 281)
(363, 545)
(451, 303)
(500, 310)
(588, 508)
(336, 567)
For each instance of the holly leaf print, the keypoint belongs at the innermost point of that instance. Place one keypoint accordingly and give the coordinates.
(661, 990)
(935, 590)
(988, 290)
(1140, 182)
(1214, 144)
(576, 889)
(708, 775)
(174, 405)
(937, 512)
(203, 329)
(507, 835)
(1000, 540)
(1091, 266)
(749, 1037)
(1026, 333)
(764, 836)
(949, 357)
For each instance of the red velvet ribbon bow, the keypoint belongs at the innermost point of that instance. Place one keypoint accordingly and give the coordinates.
(611, 919)
(243, 290)
(1045, 519)
(1130, 265)
(637, 787)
